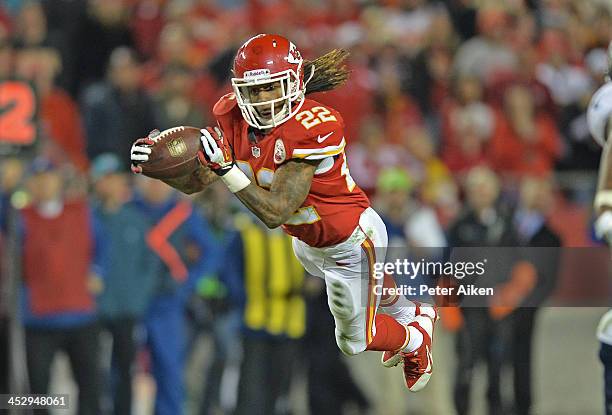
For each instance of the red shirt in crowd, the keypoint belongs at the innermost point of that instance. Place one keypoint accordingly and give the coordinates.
(62, 121)
(510, 153)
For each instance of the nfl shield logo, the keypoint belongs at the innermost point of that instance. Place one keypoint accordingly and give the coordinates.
(256, 152)
(177, 147)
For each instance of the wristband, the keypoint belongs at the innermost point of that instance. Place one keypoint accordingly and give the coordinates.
(603, 198)
(235, 179)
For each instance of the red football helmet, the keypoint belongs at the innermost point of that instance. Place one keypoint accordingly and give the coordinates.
(265, 59)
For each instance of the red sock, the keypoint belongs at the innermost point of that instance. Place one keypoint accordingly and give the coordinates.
(390, 335)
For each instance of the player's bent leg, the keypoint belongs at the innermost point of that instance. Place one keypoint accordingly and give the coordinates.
(352, 291)
(349, 317)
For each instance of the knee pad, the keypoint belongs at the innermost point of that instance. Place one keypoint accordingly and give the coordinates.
(348, 346)
(340, 299)
(350, 338)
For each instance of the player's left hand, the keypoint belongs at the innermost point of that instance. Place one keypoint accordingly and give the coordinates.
(141, 149)
(217, 154)
(603, 226)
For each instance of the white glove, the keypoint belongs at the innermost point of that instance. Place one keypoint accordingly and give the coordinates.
(141, 149)
(603, 226)
(217, 155)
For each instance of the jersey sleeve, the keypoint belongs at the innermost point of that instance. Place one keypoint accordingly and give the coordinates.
(224, 111)
(317, 135)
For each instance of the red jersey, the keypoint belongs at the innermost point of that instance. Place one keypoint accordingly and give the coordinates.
(331, 211)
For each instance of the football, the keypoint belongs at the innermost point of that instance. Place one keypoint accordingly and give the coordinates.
(174, 154)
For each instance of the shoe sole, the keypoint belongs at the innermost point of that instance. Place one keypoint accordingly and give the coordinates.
(392, 361)
(421, 383)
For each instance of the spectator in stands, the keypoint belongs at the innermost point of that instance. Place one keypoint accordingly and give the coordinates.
(274, 317)
(487, 54)
(532, 230)
(525, 141)
(408, 222)
(31, 28)
(129, 279)
(467, 125)
(186, 252)
(568, 83)
(103, 29)
(223, 296)
(331, 385)
(59, 284)
(435, 176)
(174, 102)
(398, 109)
(118, 109)
(59, 114)
(375, 151)
(364, 154)
(175, 48)
(32, 31)
(147, 20)
(485, 223)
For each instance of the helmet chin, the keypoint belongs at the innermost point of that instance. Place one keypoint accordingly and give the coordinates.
(272, 120)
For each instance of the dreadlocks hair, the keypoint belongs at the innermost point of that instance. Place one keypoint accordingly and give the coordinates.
(329, 71)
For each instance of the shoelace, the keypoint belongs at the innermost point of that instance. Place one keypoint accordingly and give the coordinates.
(412, 366)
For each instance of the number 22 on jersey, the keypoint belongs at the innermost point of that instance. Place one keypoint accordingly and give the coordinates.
(314, 116)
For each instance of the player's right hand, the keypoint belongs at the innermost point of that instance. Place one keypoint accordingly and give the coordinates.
(141, 149)
(217, 154)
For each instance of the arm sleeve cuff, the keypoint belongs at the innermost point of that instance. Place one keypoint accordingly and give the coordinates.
(235, 179)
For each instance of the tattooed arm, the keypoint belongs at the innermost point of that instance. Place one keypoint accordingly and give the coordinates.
(194, 182)
(289, 189)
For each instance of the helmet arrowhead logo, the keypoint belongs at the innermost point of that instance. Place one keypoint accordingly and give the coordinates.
(294, 55)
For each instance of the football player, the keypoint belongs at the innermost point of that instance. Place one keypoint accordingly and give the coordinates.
(599, 118)
(283, 156)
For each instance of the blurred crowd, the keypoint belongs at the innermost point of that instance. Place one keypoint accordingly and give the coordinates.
(461, 116)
